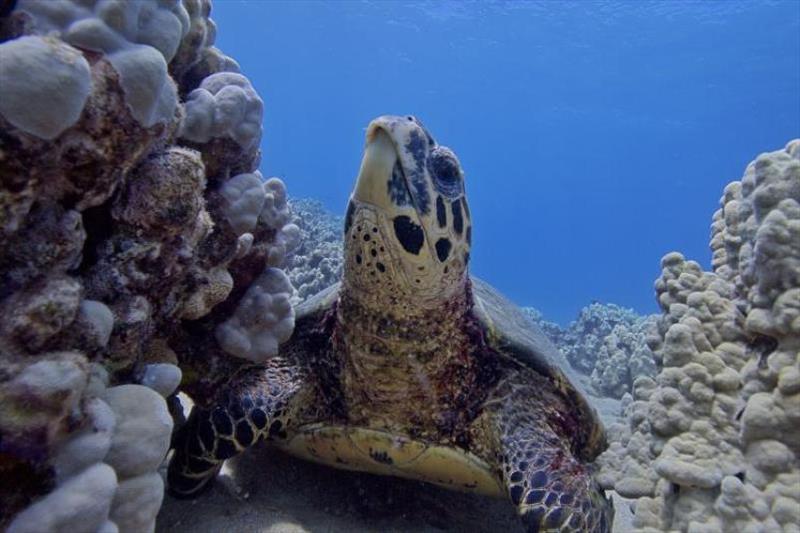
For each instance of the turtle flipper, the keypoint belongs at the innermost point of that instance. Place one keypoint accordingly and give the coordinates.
(259, 403)
(552, 489)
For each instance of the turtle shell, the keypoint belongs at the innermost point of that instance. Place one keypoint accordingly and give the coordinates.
(320, 302)
(508, 331)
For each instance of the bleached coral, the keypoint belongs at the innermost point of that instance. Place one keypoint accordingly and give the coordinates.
(720, 423)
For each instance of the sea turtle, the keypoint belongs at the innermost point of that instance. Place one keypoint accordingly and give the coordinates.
(410, 367)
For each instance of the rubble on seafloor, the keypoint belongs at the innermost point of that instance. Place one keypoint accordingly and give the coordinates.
(135, 230)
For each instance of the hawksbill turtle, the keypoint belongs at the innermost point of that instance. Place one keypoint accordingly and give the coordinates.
(411, 367)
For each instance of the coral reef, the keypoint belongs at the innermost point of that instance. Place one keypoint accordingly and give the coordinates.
(606, 342)
(316, 263)
(713, 442)
(623, 357)
(133, 225)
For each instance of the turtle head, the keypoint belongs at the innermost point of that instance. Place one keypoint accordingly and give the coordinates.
(407, 227)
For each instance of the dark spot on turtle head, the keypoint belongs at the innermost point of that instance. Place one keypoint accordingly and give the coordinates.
(441, 212)
(367, 237)
(566, 499)
(380, 267)
(469, 235)
(443, 249)
(348, 218)
(466, 207)
(458, 220)
(516, 476)
(417, 178)
(551, 499)
(516, 494)
(358, 258)
(417, 147)
(409, 234)
(397, 187)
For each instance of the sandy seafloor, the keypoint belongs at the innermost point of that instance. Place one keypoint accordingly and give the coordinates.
(267, 491)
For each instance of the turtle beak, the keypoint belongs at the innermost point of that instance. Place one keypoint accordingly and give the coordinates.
(380, 157)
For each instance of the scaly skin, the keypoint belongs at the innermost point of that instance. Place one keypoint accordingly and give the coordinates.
(402, 352)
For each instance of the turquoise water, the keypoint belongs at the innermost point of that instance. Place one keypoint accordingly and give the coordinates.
(595, 136)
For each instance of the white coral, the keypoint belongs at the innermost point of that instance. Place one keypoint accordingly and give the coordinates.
(45, 85)
(225, 105)
(263, 319)
(720, 428)
(138, 38)
(244, 195)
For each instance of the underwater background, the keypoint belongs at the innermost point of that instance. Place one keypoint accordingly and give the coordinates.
(595, 136)
(149, 271)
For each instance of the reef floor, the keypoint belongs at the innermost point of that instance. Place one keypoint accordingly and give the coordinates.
(267, 491)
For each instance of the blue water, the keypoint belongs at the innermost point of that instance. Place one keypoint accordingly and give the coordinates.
(595, 137)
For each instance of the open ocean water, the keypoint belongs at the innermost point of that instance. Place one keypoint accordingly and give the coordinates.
(595, 136)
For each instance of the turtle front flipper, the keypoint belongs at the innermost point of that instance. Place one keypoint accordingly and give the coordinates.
(552, 489)
(260, 402)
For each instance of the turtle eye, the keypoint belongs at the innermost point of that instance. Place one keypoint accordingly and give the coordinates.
(446, 172)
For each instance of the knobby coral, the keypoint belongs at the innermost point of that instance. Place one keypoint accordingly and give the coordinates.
(607, 342)
(713, 442)
(133, 226)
